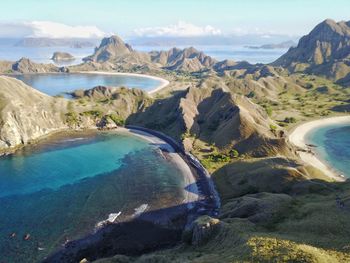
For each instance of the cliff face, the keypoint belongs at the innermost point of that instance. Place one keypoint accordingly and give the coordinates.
(324, 51)
(26, 114)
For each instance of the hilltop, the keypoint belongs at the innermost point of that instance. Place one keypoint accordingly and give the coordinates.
(324, 51)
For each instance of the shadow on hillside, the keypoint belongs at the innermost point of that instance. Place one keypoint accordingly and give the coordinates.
(163, 115)
(150, 231)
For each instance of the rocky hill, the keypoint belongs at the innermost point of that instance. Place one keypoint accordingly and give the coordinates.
(25, 65)
(324, 51)
(110, 48)
(215, 117)
(26, 114)
(114, 51)
(188, 59)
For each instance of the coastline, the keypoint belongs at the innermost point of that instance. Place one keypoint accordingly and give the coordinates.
(173, 157)
(297, 137)
(163, 82)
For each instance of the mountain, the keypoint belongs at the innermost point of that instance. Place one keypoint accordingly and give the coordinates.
(324, 51)
(113, 50)
(26, 114)
(110, 48)
(188, 59)
(214, 116)
(285, 44)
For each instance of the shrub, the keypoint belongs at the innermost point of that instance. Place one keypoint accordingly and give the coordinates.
(93, 113)
(72, 118)
(268, 110)
(117, 120)
(234, 153)
(290, 120)
(273, 127)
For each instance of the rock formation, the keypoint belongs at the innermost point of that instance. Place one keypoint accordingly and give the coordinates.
(62, 56)
(324, 51)
(26, 114)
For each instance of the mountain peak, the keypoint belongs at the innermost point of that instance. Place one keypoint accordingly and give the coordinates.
(324, 51)
(110, 47)
(341, 28)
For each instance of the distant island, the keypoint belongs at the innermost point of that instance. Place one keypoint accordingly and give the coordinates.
(285, 44)
(62, 56)
(55, 42)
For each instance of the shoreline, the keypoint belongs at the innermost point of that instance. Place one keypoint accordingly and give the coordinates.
(297, 138)
(174, 158)
(163, 82)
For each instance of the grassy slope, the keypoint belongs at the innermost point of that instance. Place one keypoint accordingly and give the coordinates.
(313, 227)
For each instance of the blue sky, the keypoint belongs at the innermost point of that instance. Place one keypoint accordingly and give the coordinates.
(293, 17)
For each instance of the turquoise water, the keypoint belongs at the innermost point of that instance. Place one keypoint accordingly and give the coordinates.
(333, 146)
(55, 84)
(62, 187)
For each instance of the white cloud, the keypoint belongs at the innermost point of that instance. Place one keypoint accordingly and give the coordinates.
(48, 29)
(181, 29)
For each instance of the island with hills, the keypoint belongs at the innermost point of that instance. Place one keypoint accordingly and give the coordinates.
(236, 119)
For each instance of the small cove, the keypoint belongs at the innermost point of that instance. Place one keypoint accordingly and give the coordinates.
(60, 188)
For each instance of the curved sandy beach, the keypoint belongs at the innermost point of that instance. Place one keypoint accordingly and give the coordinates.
(297, 137)
(163, 82)
(189, 196)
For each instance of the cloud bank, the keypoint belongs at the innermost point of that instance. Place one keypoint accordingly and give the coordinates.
(181, 29)
(49, 30)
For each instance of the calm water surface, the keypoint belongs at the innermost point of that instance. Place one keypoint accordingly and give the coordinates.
(55, 84)
(333, 146)
(60, 188)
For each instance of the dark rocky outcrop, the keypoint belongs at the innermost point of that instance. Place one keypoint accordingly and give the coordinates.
(62, 56)
(202, 230)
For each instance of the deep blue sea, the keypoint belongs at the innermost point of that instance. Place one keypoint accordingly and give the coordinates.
(60, 188)
(55, 84)
(333, 146)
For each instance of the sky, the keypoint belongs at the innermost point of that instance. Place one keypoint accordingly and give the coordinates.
(164, 17)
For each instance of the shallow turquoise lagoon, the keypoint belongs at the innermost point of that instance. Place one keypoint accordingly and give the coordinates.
(333, 146)
(61, 188)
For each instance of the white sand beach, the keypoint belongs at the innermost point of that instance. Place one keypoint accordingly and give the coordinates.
(297, 137)
(163, 82)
